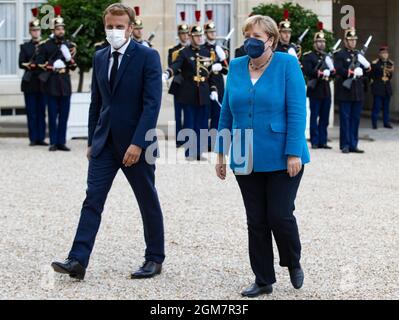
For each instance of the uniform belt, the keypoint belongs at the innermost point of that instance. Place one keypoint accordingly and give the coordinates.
(199, 79)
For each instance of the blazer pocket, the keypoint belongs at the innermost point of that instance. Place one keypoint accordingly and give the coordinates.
(278, 127)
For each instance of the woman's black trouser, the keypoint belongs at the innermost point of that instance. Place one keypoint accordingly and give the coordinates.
(269, 199)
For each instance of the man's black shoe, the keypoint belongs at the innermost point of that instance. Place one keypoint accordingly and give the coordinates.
(256, 290)
(71, 267)
(148, 270)
(297, 276)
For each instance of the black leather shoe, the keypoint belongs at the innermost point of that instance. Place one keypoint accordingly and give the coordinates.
(345, 150)
(297, 276)
(255, 290)
(325, 146)
(42, 143)
(148, 270)
(63, 147)
(32, 144)
(315, 146)
(388, 126)
(357, 150)
(71, 267)
(374, 127)
(53, 147)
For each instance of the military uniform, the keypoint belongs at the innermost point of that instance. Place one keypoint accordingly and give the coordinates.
(381, 87)
(194, 64)
(319, 93)
(173, 54)
(35, 102)
(350, 100)
(57, 85)
(216, 77)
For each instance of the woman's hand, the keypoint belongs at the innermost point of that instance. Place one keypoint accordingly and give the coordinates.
(221, 167)
(294, 166)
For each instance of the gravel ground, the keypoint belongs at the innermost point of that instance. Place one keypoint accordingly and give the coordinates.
(347, 210)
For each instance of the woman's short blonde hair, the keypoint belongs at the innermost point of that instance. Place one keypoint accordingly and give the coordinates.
(268, 25)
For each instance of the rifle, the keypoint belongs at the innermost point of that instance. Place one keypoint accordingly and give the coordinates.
(356, 64)
(299, 42)
(322, 65)
(152, 35)
(225, 44)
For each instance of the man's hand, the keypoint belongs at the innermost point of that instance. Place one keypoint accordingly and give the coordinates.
(132, 155)
(294, 166)
(88, 153)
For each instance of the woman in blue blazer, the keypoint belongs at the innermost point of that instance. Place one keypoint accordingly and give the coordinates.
(263, 118)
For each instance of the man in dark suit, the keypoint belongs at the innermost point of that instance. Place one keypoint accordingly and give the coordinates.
(125, 103)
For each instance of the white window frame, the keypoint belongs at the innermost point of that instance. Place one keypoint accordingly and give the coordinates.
(19, 37)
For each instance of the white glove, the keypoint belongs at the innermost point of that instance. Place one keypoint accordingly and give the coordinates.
(66, 53)
(217, 67)
(220, 52)
(165, 77)
(292, 52)
(326, 73)
(358, 72)
(363, 61)
(330, 63)
(59, 64)
(214, 96)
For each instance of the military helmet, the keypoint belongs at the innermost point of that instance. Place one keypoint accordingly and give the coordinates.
(285, 25)
(350, 34)
(183, 26)
(138, 23)
(34, 24)
(196, 29)
(210, 25)
(320, 35)
(58, 20)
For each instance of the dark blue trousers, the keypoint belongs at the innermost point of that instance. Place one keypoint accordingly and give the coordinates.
(179, 117)
(141, 177)
(381, 101)
(319, 120)
(58, 113)
(196, 119)
(36, 113)
(349, 123)
(269, 200)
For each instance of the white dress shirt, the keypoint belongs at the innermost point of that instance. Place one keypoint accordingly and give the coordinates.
(121, 50)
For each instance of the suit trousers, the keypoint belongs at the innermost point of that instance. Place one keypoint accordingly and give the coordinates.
(58, 114)
(269, 199)
(141, 177)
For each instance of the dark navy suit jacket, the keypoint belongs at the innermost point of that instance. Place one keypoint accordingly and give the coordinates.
(131, 109)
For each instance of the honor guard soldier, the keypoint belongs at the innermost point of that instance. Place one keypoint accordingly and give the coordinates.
(35, 102)
(319, 69)
(56, 57)
(284, 44)
(195, 92)
(183, 30)
(351, 69)
(381, 75)
(138, 29)
(220, 67)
